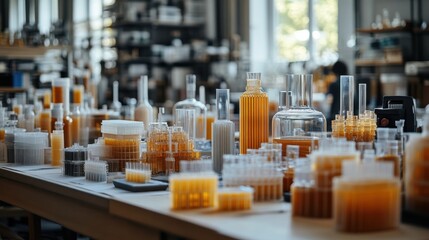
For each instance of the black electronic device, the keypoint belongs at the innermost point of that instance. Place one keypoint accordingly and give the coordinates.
(396, 108)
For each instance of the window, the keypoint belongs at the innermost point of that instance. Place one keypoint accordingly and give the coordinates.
(305, 30)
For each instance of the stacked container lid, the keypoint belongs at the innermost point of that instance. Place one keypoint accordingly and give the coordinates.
(30, 147)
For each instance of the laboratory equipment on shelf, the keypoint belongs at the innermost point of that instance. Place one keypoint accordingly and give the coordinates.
(293, 124)
(253, 114)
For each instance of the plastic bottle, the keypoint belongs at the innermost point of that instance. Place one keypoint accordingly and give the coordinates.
(57, 144)
(29, 118)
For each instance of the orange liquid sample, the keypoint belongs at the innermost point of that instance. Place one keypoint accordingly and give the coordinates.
(287, 179)
(125, 148)
(57, 147)
(17, 109)
(253, 120)
(193, 191)
(233, 201)
(77, 95)
(67, 128)
(209, 121)
(326, 167)
(2, 134)
(311, 202)
(75, 129)
(57, 94)
(157, 149)
(305, 144)
(137, 176)
(45, 121)
(47, 100)
(370, 205)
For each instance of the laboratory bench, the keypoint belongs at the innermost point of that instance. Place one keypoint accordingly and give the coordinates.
(101, 211)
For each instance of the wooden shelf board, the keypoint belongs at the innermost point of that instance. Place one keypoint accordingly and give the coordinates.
(26, 52)
(375, 63)
(384, 30)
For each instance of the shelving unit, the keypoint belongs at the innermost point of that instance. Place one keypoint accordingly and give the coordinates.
(410, 43)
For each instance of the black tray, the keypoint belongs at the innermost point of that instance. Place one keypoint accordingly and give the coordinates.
(140, 187)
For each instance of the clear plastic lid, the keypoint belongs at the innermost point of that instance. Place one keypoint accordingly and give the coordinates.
(253, 80)
(61, 82)
(36, 138)
(367, 170)
(384, 134)
(122, 127)
(222, 104)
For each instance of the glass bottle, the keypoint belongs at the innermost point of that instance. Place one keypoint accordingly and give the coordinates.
(191, 103)
(76, 124)
(144, 111)
(116, 104)
(29, 118)
(253, 114)
(223, 130)
(291, 125)
(57, 144)
(58, 113)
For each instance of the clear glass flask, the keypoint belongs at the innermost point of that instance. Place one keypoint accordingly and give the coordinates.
(292, 125)
(191, 103)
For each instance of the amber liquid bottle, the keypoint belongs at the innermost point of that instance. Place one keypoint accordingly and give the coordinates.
(253, 114)
(58, 113)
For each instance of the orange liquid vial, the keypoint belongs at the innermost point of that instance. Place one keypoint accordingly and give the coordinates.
(78, 92)
(57, 147)
(47, 100)
(67, 130)
(287, 179)
(210, 119)
(57, 94)
(45, 121)
(17, 109)
(137, 176)
(2, 134)
(370, 205)
(253, 115)
(75, 129)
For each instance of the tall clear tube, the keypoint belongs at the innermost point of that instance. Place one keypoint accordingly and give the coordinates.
(223, 130)
(144, 111)
(362, 99)
(347, 90)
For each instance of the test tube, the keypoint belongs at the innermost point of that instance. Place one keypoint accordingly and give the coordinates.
(186, 118)
(116, 105)
(347, 95)
(202, 91)
(170, 162)
(362, 99)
